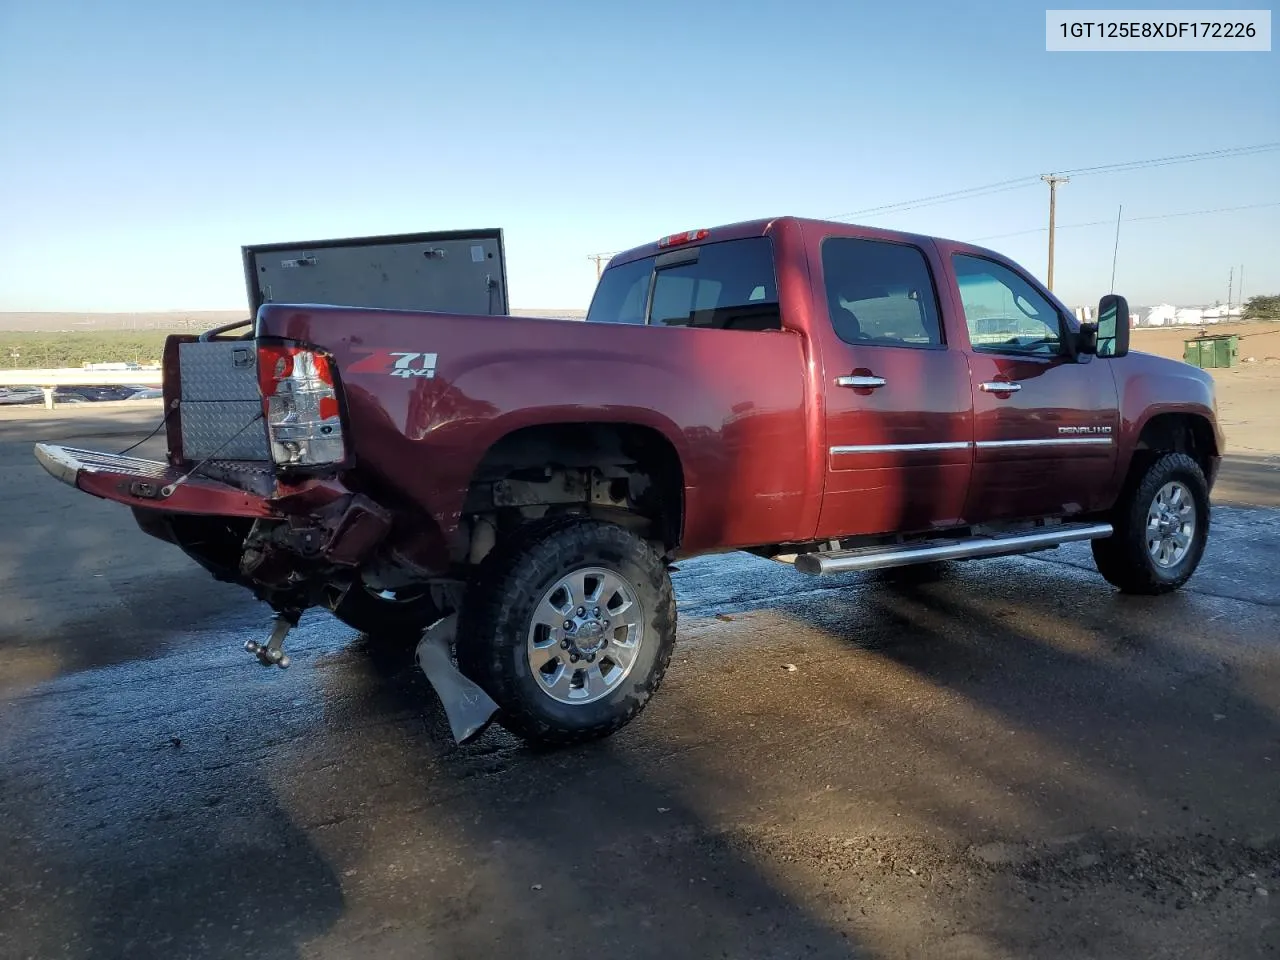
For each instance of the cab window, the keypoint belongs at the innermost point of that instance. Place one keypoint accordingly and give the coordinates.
(621, 293)
(880, 293)
(728, 286)
(1004, 312)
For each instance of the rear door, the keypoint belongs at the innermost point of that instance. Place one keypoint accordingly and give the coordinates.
(1045, 424)
(898, 418)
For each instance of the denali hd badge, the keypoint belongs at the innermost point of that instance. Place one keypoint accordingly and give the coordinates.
(397, 364)
(1084, 430)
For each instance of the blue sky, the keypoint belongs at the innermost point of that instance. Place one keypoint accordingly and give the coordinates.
(142, 143)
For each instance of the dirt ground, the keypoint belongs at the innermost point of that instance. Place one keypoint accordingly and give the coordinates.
(1248, 406)
(1006, 761)
(1248, 394)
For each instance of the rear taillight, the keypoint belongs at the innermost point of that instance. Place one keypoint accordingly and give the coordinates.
(300, 403)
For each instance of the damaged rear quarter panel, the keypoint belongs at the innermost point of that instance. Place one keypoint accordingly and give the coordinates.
(731, 403)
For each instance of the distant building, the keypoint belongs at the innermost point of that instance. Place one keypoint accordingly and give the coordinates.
(1218, 312)
(1161, 315)
(1087, 315)
(1191, 315)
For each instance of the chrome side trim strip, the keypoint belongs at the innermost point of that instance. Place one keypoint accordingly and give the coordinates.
(902, 447)
(1054, 442)
(965, 444)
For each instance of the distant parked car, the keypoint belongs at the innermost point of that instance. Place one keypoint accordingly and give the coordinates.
(94, 393)
(147, 393)
(20, 395)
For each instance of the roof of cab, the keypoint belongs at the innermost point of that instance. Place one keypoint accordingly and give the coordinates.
(729, 231)
(761, 227)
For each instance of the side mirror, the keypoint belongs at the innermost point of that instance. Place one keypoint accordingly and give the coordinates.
(1113, 326)
(1087, 338)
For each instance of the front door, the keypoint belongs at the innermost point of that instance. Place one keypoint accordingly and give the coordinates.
(1045, 425)
(899, 427)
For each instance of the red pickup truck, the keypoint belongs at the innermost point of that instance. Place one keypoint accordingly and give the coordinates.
(835, 396)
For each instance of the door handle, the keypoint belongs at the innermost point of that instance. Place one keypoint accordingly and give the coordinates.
(999, 386)
(860, 381)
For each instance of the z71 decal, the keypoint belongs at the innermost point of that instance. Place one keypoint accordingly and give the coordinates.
(397, 364)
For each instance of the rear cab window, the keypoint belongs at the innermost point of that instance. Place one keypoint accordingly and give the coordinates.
(880, 292)
(728, 285)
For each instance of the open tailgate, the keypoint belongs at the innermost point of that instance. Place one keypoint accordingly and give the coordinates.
(150, 484)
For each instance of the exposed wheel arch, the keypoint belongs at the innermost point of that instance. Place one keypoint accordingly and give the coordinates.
(624, 472)
(1186, 433)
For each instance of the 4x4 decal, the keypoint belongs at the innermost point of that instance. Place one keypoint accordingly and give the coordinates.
(397, 363)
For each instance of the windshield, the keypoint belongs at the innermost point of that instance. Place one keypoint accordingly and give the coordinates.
(728, 285)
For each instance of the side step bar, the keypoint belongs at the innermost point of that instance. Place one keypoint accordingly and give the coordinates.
(879, 558)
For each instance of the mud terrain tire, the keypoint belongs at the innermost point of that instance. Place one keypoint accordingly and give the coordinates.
(1161, 527)
(511, 645)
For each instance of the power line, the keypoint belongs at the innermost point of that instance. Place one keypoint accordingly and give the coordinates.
(1222, 154)
(1020, 182)
(1160, 216)
(966, 194)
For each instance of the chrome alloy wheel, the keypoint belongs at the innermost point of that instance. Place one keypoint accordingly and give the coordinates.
(584, 636)
(1171, 524)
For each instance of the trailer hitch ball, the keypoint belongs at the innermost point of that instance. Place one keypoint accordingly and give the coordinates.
(271, 653)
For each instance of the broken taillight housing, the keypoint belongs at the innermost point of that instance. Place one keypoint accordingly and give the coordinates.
(300, 403)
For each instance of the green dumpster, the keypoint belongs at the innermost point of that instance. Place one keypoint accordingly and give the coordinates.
(1222, 350)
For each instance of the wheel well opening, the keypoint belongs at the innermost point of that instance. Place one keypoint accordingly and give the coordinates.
(622, 472)
(1178, 433)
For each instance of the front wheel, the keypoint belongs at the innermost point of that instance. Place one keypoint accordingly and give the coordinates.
(569, 626)
(1161, 526)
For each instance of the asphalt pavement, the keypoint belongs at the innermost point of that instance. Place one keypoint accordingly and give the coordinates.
(1002, 759)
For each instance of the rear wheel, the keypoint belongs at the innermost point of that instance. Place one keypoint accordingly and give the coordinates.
(397, 617)
(1161, 526)
(569, 627)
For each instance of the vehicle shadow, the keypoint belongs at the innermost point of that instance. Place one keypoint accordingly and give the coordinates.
(528, 852)
(1004, 760)
(137, 819)
(1112, 759)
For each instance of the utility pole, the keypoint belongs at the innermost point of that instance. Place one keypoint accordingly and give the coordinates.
(1053, 181)
(1240, 294)
(1231, 281)
(601, 259)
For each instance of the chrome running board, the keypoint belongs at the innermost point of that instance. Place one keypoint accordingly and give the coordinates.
(879, 558)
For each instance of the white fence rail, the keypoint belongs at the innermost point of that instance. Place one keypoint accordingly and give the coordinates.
(49, 380)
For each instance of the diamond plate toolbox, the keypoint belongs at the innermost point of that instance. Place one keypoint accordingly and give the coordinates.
(220, 400)
(219, 370)
(230, 430)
